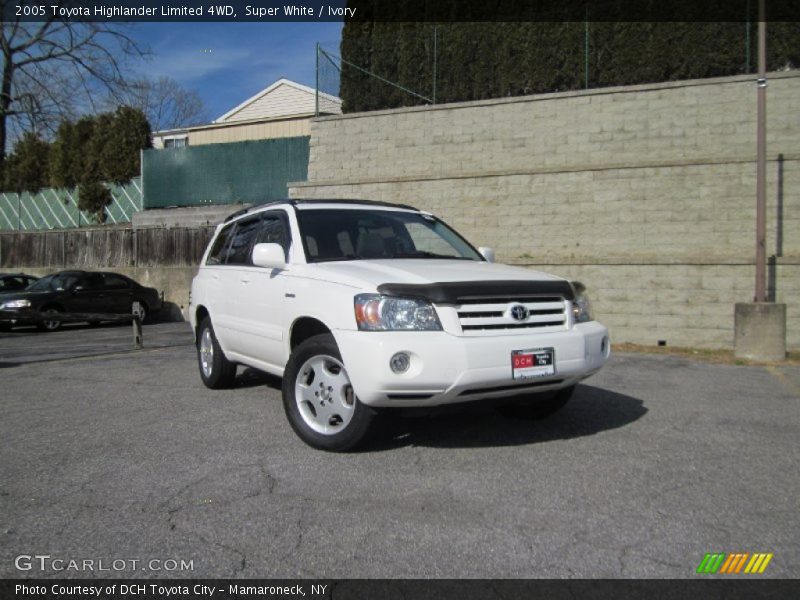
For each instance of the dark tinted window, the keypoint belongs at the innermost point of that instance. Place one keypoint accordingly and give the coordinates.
(92, 281)
(272, 231)
(218, 251)
(242, 242)
(116, 282)
(13, 283)
(55, 283)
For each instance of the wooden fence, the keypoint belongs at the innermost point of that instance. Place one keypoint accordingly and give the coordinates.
(106, 247)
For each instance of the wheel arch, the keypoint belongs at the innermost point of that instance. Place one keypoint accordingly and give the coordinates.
(200, 314)
(304, 328)
(52, 304)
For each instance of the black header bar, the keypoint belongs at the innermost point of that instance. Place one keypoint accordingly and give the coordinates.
(441, 11)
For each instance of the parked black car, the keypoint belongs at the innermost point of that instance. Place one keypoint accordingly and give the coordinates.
(14, 282)
(75, 292)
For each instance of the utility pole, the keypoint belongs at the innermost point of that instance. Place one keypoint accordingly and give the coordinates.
(316, 90)
(761, 159)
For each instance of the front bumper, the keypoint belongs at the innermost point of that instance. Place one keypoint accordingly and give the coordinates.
(446, 369)
(18, 316)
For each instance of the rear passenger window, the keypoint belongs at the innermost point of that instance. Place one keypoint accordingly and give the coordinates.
(116, 282)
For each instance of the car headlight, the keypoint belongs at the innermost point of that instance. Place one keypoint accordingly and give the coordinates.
(375, 312)
(15, 304)
(581, 307)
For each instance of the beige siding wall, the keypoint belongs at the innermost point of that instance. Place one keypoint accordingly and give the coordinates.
(250, 131)
(283, 100)
(645, 193)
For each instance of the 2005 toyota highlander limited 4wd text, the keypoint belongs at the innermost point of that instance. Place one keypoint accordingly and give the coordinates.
(360, 305)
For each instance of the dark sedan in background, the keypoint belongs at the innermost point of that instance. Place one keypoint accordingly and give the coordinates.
(75, 292)
(13, 282)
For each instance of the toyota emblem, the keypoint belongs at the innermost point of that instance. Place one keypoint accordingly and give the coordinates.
(518, 312)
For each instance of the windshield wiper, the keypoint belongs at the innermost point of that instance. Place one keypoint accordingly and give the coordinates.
(338, 258)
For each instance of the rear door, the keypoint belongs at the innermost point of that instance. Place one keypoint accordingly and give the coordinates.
(212, 280)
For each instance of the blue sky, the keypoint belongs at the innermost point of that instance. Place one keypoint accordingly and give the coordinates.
(226, 63)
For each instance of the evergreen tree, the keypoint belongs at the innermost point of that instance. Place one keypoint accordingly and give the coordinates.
(488, 60)
(27, 167)
(120, 153)
(93, 197)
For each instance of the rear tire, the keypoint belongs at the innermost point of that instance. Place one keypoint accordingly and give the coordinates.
(537, 406)
(319, 400)
(216, 371)
(51, 322)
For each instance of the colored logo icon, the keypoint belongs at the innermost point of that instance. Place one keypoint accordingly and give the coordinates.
(735, 563)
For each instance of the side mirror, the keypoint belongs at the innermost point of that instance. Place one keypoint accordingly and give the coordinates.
(487, 253)
(270, 256)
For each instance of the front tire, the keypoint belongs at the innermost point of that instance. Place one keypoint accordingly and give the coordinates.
(51, 321)
(216, 371)
(537, 406)
(319, 400)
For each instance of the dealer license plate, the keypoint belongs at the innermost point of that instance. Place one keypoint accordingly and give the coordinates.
(537, 362)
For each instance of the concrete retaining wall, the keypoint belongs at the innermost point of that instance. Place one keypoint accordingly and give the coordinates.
(645, 193)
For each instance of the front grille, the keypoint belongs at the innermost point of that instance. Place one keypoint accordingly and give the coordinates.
(546, 313)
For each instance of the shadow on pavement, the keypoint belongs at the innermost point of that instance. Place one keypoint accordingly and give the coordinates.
(590, 411)
(250, 377)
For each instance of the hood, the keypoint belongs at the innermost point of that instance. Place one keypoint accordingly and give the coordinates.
(22, 295)
(369, 274)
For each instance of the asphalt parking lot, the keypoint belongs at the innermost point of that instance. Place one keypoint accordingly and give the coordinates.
(109, 454)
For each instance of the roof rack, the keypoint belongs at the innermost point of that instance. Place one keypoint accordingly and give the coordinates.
(351, 201)
(244, 211)
(296, 201)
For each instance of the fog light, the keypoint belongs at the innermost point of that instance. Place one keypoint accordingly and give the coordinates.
(399, 363)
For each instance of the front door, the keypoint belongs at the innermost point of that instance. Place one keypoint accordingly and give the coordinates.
(260, 301)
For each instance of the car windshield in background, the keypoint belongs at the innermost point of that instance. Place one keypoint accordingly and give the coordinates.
(54, 283)
(337, 234)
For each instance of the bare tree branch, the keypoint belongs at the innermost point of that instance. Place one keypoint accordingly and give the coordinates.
(166, 103)
(34, 88)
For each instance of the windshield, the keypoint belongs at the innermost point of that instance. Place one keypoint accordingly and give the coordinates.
(54, 283)
(353, 234)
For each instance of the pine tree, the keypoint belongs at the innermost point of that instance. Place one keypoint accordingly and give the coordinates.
(27, 167)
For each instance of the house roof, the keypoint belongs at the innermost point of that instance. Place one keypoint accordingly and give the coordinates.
(283, 98)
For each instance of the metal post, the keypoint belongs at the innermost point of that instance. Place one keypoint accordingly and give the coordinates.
(138, 343)
(434, 63)
(747, 40)
(761, 159)
(586, 50)
(316, 91)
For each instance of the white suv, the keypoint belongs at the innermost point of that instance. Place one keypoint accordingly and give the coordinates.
(361, 305)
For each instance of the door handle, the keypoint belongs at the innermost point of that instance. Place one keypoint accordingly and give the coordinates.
(243, 280)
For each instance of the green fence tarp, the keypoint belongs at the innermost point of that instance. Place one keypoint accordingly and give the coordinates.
(252, 171)
(57, 208)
